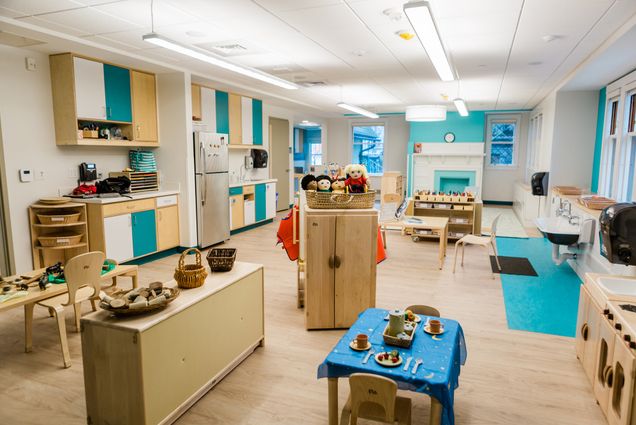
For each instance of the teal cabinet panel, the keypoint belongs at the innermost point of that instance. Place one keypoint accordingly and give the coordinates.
(257, 121)
(117, 88)
(222, 112)
(236, 190)
(260, 193)
(144, 230)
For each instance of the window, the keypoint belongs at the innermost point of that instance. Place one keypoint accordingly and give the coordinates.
(534, 144)
(608, 154)
(502, 140)
(368, 146)
(316, 154)
(628, 152)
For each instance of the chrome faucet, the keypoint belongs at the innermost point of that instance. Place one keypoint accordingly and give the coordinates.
(565, 209)
(574, 220)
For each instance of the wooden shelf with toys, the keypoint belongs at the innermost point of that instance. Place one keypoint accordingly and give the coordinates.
(463, 210)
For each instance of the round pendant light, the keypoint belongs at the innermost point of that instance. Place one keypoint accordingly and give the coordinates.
(426, 113)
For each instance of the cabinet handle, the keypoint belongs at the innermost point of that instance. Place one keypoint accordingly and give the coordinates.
(608, 376)
(138, 136)
(336, 261)
(584, 331)
(330, 262)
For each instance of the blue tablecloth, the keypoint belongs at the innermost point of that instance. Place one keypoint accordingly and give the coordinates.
(437, 376)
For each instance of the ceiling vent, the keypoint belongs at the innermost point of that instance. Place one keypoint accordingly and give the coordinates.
(311, 83)
(13, 40)
(230, 48)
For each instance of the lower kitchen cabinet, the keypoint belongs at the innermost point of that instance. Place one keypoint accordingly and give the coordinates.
(261, 202)
(587, 331)
(167, 227)
(270, 200)
(118, 237)
(144, 232)
(249, 212)
(252, 204)
(236, 212)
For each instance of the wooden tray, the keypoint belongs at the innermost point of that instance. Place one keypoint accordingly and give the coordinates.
(596, 202)
(568, 190)
(124, 312)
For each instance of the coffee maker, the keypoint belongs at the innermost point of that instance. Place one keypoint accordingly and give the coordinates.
(618, 233)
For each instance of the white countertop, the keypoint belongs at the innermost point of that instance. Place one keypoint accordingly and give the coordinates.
(131, 197)
(214, 283)
(253, 182)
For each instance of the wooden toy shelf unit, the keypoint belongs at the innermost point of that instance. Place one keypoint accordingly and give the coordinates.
(464, 213)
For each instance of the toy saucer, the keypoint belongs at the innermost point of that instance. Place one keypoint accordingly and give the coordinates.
(354, 346)
(428, 330)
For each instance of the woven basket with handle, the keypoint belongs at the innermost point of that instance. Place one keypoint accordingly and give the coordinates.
(190, 275)
(333, 201)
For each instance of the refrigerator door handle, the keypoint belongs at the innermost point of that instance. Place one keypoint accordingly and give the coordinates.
(203, 170)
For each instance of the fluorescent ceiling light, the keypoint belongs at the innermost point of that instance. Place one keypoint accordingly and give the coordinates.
(358, 110)
(421, 18)
(461, 107)
(219, 61)
(425, 113)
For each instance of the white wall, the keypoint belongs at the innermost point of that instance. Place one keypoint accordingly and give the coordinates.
(28, 139)
(340, 148)
(498, 183)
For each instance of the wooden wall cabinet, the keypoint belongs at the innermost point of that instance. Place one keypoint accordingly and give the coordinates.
(196, 103)
(151, 369)
(340, 266)
(144, 104)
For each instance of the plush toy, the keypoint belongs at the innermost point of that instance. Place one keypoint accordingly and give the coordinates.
(338, 185)
(309, 182)
(324, 183)
(357, 178)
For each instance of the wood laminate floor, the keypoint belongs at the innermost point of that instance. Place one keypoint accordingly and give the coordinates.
(511, 377)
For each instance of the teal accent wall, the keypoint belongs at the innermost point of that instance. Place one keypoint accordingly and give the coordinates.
(257, 121)
(600, 120)
(450, 180)
(222, 112)
(117, 88)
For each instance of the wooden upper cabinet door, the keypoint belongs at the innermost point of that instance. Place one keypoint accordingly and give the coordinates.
(355, 264)
(90, 91)
(236, 130)
(144, 98)
(196, 103)
(319, 282)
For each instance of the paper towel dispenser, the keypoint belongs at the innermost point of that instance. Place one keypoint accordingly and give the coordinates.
(260, 158)
(539, 184)
(618, 233)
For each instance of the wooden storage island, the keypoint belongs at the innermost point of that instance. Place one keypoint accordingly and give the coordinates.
(340, 265)
(151, 369)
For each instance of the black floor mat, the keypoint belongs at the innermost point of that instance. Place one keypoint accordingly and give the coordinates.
(513, 265)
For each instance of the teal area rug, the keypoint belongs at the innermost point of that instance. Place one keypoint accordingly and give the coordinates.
(547, 303)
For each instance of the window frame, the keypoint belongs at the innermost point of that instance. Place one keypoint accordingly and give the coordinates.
(374, 123)
(533, 151)
(503, 118)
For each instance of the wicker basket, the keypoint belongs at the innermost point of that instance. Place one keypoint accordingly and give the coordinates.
(221, 259)
(190, 275)
(404, 343)
(123, 312)
(58, 218)
(59, 240)
(332, 201)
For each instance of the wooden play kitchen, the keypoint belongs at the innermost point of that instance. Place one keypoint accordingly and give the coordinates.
(463, 213)
(340, 265)
(150, 369)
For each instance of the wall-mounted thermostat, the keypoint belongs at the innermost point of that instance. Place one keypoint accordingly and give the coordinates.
(26, 175)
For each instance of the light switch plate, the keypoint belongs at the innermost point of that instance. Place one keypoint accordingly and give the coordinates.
(30, 64)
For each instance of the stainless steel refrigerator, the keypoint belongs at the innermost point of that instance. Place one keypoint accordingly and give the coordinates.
(211, 165)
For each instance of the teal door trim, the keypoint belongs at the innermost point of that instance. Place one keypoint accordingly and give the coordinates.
(222, 112)
(257, 121)
(117, 89)
(260, 193)
(144, 230)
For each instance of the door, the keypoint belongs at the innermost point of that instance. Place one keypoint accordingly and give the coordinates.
(355, 267)
(117, 87)
(619, 410)
(213, 215)
(118, 237)
(167, 227)
(90, 95)
(279, 148)
(257, 121)
(234, 105)
(236, 206)
(222, 112)
(144, 98)
(249, 212)
(603, 376)
(319, 281)
(270, 200)
(144, 232)
(246, 121)
(260, 192)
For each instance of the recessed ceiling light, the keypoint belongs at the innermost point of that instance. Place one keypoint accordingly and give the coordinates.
(196, 34)
(550, 37)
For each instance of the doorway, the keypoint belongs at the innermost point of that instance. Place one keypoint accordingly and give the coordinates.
(280, 152)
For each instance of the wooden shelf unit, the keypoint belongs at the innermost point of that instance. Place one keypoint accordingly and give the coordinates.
(455, 230)
(44, 256)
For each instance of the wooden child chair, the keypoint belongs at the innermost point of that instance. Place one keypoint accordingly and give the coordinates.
(375, 398)
(83, 279)
(483, 241)
(425, 310)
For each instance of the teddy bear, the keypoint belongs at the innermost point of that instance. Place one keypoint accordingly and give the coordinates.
(357, 178)
(324, 183)
(338, 185)
(309, 182)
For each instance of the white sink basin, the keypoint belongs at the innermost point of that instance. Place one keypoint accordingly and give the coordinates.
(617, 285)
(559, 230)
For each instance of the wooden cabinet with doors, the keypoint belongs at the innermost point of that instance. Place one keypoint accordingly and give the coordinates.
(340, 266)
(587, 329)
(167, 222)
(603, 376)
(196, 103)
(620, 408)
(144, 104)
